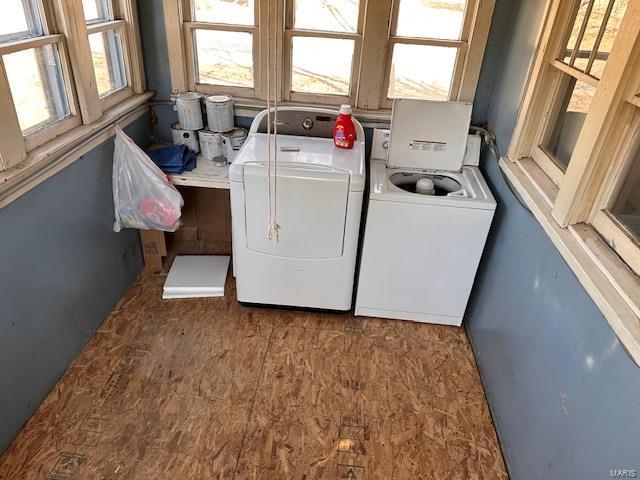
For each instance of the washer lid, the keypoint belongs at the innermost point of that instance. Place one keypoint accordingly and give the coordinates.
(429, 135)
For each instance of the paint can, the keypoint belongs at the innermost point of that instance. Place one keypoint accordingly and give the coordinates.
(211, 146)
(189, 108)
(232, 141)
(219, 113)
(185, 137)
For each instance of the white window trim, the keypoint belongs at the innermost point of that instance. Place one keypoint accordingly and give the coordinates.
(368, 89)
(27, 161)
(564, 205)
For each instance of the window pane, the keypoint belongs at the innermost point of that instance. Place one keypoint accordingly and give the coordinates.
(97, 10)
(431, 18)
(596, 19)
(322, 65)
(574, 106)
(237, 12)
(224, 58)
(37, 86)
(331, 15)
(575, 30)
(613, 25)
(18, 20)
(626, 208)
(108, 61)
(421, 71)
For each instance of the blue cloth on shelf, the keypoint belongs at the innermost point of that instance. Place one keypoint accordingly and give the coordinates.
(174, 159)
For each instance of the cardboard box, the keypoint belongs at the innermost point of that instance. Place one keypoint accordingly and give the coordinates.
(154, 248)
(213, 209)
(206, 215)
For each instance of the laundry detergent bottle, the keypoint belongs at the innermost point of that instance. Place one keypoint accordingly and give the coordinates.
(344, 132)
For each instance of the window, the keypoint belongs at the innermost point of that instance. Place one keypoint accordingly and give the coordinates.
(572, 76)
(329, 51)
(222, 38)
(616, 213)
(577, 141)
(63, 64)
(424, 48)
(105, 41)
(37, 71)
(323, 39)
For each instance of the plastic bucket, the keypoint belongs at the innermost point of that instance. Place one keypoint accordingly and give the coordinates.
(232, 141)
(211, 146)
(189, 108)
(185, 137)
(219, 113)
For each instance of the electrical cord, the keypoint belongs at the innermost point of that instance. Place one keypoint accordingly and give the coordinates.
(490, 140)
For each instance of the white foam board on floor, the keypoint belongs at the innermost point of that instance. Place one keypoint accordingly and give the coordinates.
(195, 276)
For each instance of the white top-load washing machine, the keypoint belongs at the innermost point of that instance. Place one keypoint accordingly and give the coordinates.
(428, 218)
(319, 202)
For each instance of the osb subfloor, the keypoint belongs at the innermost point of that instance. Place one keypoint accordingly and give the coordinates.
(209, 389)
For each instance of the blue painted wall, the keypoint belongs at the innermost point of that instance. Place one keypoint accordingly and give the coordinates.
(564, 394)
(63, 269)
(156, 62)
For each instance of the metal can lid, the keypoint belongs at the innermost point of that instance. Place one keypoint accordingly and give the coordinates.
(236, 132)
(219, 99)
(209, 133)
(189, 96)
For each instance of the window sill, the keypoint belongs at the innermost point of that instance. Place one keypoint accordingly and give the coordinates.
(48, 159)
(610, 283)
(245, 107)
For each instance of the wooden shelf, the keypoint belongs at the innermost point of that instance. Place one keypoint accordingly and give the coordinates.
(206, 175)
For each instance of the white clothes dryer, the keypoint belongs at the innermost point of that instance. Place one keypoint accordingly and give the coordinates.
(319, 202)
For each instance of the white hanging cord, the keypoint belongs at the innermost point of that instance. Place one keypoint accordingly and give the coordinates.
(269, 119)
(274, 228)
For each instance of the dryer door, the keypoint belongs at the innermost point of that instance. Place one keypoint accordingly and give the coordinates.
(311, 210)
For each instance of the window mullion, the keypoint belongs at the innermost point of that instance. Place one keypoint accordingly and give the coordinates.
(72, 22)
(175, 45)
(133, 47)
(105, 26)
(583, 29)
(477, 42)
(374, 49)
(28, 43)
(601, 32)
(12, 145)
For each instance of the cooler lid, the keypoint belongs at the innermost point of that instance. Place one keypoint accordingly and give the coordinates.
(429, 135)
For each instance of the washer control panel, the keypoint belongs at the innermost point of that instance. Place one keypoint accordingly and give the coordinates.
(380, 144)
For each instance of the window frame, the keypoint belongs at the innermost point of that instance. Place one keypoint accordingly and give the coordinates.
(371, 42)
(49, 130)
(290, 32)
(461, 45)
(551, 76)
(604, 255)
(623, 242)
(189, 27)
(122, 93)
(63, 24)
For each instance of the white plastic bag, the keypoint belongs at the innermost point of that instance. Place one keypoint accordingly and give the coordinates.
(143, 197)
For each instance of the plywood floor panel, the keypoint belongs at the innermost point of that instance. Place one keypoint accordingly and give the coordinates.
(378, 407)
(210, 389)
